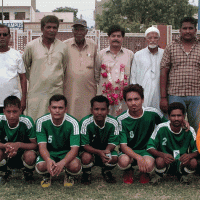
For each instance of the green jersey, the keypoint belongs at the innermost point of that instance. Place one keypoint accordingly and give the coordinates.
(60, 138)
(135, 132)
(165, 140)
(23, 132)
(96, 136)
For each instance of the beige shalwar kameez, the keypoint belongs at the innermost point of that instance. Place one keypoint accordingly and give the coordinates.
(45, 71)
(79, 84)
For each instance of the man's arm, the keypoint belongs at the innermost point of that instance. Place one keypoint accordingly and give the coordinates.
(23, 83)
(133, 72)
(97, 70)
(163, 89)
(140, 160)
(27, 58)
(185, 158)
(71, 155)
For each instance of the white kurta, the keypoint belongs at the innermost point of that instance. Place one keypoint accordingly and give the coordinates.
(145, 71)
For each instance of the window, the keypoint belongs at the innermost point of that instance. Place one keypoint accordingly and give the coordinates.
(6, 16)
(20, 15)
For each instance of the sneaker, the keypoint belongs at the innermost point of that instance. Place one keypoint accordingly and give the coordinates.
(46, 182)
(128, 176)
(28, 175)
(68, 180)
(155, 179)
(184, 179)
(86, 178)
(108, 177)
(4, 178)
(144, 178)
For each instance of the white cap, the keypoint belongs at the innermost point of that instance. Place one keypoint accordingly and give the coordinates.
(152, 29)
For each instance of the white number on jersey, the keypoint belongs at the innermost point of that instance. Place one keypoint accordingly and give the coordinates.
(131, 134)
(164, 141)
(50, 139)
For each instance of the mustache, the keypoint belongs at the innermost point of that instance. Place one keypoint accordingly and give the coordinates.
(115, 41)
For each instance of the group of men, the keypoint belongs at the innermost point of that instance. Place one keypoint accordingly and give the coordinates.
(63, 78)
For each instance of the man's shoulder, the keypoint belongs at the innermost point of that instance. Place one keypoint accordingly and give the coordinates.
(85, 121)
(28, 121)
(141, 52)
(128, 51)
(69, 41)
(112, 120)
(90, 41)
(123, 116)
(42, 119)
(153, 111)
(69, 118)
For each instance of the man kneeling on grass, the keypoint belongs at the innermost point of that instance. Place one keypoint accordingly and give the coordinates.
(17, 140)
(99, 137)
(136, 126)
(169, 143)
(59, 140)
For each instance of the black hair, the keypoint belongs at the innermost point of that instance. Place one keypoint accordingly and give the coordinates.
(4, 26)
(133, 88)
(49, 19)
(192, 20)
(58, 97)
(175, 106)
(12, 101)
(115, 28)
(99, 98)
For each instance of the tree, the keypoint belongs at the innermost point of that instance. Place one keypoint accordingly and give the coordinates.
(66, 9)
(136, 16)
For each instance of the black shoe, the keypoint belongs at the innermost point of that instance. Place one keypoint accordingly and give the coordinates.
(28, 175)
(4, 178)
(86, 178)
(108, 177)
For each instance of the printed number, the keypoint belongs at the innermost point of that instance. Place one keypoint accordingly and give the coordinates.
(164, 141)
(50, 139)
(131, 134)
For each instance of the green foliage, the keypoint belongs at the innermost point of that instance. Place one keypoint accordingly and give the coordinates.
(136, 16)
(66, 9)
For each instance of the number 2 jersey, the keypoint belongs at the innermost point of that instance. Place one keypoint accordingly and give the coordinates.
(96, 136)
(135, 132)
(23, 132)
(165, 140)
(60, 138)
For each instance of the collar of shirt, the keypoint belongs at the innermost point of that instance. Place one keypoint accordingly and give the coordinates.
(179, 40)
(150, 51)
(74, 43)
(108, 50)
(40, 40)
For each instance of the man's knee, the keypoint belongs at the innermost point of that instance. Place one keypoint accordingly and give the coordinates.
(41, 167)
(29, 157)
(86, 158)
(150, 163)
(160, 163)
(124, 161)
(192, 164)
(74, 166)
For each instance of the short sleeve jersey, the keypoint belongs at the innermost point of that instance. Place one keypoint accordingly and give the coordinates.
(60, 138)
(135, 132)
(96, 136)
(23, 132)
(165, 140)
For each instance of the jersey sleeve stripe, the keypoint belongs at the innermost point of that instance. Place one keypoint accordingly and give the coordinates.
(153, 136)
(74, 123)
(193, 133)
(153, 110)
(26, 121)
(115, 124)
(85, 123)
(40, 121)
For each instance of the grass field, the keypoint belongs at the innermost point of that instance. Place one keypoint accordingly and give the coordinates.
(169, 188)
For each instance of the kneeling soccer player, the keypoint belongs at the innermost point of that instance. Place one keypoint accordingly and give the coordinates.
(17, 140)
(99, 137)
(59, 140)
(136, 126)
(169, 143)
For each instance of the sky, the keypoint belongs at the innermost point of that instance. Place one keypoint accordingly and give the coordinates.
(85, 7)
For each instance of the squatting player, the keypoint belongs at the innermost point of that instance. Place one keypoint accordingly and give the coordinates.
(136, 126)
(169, 144)
(99, 137)
(17, 140)
(59, 140)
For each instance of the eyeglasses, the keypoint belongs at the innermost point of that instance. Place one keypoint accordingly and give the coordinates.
(4, 34)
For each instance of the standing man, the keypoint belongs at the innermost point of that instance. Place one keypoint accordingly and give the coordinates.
(169, 144)
(11, 67)
(136, 126)
(45, 62)
(58, 140)
(180, 77)
(145, 69)
(79, 84)
(112, 70)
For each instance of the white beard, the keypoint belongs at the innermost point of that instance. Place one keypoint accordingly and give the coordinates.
(152, 46)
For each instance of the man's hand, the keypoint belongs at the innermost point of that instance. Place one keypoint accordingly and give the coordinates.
(164, 105)
(142, 164)
(59, 167)
(23, 103)
(186, 125)
(185, 159)
(102, 154)
(12, 148)
(168, 159)
(51, 167)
